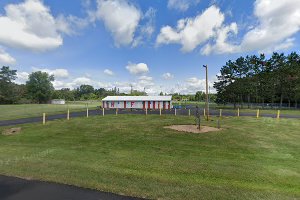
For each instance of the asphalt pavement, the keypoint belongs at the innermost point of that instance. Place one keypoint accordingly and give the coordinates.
(128, 111)
(12, 188)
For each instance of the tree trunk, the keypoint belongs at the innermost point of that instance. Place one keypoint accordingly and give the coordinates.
(281, 99)
(289, 104)
(248, 101)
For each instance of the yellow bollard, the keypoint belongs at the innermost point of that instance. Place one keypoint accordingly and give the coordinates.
(103, 111)
(87, 112)
(44, 118)
(238, 112)
(220, 113)
(68, 114)
(160, 111)
(257, 113)
(278, 114)
(175, 111)
(189, 112)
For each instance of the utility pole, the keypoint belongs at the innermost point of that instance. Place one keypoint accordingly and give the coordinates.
(206, 103)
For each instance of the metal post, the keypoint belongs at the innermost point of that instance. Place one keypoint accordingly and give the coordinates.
(87, 112)
(278, 114)
(116, 111)
(220, 112)
(175, 111)
(160, 111)
(257, 113)
(103, 111)
(238, 112)
(44, 118)
(68, 114)
(206, 104)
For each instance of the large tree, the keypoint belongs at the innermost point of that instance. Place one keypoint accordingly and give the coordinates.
(39, 86)
(7, 94)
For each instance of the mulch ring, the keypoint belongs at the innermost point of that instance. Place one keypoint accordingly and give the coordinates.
(192, 128)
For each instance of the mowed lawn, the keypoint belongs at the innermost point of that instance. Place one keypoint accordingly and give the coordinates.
(18, 111)
(135, 155)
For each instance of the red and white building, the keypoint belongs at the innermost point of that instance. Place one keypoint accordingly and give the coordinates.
(137, 102)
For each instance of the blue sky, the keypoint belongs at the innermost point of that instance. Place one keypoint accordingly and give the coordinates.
(157, 45)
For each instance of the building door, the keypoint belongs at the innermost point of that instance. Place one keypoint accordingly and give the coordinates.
(154, 105)
(149, 104)
(169, 105)
(125, 104)
(144, 105)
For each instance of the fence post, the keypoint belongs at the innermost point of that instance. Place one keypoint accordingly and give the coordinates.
(44, 118)
(220, 113)
(175, 111)
(238, 112)
(278, 114)
(189, 112)
(68, 114)
(257, 113)
(103, 111)
(160, 111)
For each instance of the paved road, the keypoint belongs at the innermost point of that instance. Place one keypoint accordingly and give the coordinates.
(112, 111)
(12, 188)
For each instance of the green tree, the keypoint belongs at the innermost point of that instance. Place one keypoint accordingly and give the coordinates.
(39, 86)
(7, 92)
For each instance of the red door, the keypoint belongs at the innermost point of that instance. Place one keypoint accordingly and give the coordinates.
(149, 103)
(124, 104)
(164, 105)
(154, 105)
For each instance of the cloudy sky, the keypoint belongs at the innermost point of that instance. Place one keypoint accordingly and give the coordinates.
(159, 45)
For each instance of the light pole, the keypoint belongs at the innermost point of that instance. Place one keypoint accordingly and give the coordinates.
(206, 103)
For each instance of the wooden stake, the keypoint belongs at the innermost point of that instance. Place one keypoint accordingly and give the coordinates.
(68, 114)
(87, 112)
(103, 111)
(257, 113)
(44, 118)
(238, 112)
(278, 114)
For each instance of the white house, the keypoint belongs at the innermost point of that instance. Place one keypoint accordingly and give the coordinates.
(138, 102)
(58, 101)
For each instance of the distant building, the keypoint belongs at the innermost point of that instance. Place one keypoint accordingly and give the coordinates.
(138, 102)
(58, 101)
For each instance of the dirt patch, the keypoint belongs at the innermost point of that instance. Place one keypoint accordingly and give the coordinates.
(193, 128)
(11, 131)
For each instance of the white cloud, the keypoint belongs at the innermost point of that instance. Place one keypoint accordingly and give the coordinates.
(192, 32)
(29, 25)
(145, 78)
(181, 5)
(139, 68)
(108, 72)
(58, 73)
(120, 17)
(168, 76)
(221, 45)
(277, 21)
(5, 58)
(22, 77)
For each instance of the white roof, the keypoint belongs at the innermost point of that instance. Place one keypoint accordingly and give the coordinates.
(137, 98)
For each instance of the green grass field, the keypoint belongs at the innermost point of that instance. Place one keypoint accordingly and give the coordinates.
(33, 110)
(135, 155)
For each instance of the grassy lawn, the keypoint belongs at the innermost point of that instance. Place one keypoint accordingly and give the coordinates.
(134, 155)
(34, 110)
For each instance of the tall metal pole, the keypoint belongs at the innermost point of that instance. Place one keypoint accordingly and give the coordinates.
(206, 103)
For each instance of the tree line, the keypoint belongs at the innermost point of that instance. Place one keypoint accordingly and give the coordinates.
(257, 79)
